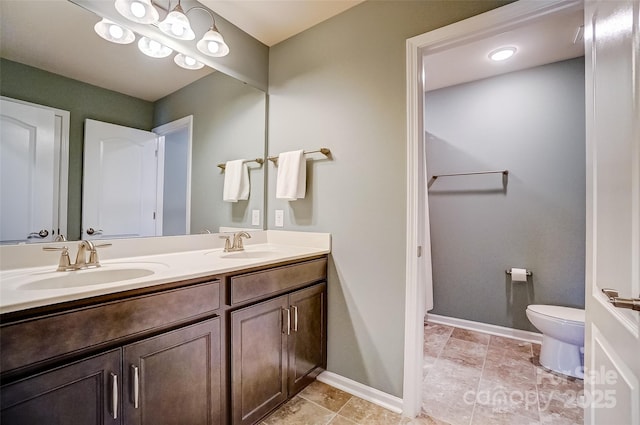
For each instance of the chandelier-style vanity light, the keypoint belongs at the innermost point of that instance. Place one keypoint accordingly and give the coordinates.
(175, 24)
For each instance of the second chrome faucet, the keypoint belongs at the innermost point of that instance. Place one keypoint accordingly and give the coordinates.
(237, 241)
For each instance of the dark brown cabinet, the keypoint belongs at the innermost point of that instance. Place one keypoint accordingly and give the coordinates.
(85, 392)
(277, 348)
(174, 378)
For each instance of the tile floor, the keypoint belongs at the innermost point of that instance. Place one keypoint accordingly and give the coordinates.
(470, 378)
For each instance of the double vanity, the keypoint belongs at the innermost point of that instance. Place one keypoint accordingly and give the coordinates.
(185, 334)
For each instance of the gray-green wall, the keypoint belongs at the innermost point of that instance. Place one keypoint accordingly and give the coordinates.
(341, 85)
(532, 123)
(82, 100)
(229, 121)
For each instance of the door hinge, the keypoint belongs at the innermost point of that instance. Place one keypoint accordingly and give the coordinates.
(154, 215)
(419, 251)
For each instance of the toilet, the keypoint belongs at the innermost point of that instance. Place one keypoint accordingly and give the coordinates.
(562, 330)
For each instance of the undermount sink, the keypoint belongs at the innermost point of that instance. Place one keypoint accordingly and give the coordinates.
(88, 277)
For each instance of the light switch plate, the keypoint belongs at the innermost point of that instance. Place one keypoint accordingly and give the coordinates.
(255, 217)
(279, 218)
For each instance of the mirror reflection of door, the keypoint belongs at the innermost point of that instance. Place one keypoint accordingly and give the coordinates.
(33, 143)
(120, 190)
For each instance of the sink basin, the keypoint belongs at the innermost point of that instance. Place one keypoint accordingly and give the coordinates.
(88, 277)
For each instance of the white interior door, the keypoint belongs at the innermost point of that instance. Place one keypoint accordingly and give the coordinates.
(27, 162)
(120, 185)
(612, 343)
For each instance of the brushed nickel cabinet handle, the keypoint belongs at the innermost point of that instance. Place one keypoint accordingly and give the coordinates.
(295, 318)
(114, 395)
(288, 321)
(135, 382)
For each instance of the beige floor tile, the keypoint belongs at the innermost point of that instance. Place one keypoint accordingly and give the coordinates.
(464, 353)
(341, 420)
(299, 411)
(472, 336)
(512, 345)
(325, 395)
(488, 416)
(560, 412)
(552, 385)
(422, 420)
(363, 412)
(518, 398)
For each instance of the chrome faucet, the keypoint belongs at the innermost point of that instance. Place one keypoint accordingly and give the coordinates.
(84, 247)
(237, 242)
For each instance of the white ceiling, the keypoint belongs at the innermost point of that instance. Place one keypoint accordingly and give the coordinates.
(58, 36)
(272, 21)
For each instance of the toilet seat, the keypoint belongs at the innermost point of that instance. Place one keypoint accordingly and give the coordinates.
(565, 314)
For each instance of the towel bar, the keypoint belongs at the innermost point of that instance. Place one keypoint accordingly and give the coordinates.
(504, 172)
(258, 160)
(325, 151)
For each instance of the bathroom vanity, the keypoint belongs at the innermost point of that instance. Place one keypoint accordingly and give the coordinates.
(220, 347)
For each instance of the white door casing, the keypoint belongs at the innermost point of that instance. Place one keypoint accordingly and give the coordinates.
(34, 156)
(612, 341)
(120, 182)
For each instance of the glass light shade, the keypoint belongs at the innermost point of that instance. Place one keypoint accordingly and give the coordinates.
(212, 44)
(141, 11)
(153, 48)
(113, 32)
(177, 25)
(187, 62)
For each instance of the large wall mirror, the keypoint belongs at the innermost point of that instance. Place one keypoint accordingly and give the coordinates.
(51, 56)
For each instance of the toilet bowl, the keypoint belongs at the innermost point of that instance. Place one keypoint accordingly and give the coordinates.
(562, 330)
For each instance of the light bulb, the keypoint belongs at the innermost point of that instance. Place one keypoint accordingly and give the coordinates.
(177, 29)
(189, 60)
(213, 47)
(116, 32)
(154, 46)
(137, 9)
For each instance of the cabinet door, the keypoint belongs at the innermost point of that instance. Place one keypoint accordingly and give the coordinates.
(85, 392)
(258, 360)
(174, 378)
(307, 342)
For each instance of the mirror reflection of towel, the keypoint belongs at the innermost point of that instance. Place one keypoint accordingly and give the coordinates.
(236, 181)
(292, 175)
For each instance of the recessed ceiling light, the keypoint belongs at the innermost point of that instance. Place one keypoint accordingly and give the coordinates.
(502, 53)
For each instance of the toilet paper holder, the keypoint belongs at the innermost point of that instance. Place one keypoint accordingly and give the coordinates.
(529, 272)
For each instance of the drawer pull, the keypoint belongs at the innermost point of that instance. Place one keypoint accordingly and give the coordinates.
(114, 395)
(295, 318)
(135, 382)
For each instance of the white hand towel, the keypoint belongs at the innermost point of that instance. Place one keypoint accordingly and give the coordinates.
(292, 175)
(236, 181)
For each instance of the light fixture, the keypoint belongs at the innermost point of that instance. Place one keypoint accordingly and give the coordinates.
(152, 48)
(177, 25)
(212, 43)
(502, 53)
(141, 11)
(113, 32)
(187, 62)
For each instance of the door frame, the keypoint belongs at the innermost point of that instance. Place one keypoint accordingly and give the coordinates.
(418, 238)
(162, 130)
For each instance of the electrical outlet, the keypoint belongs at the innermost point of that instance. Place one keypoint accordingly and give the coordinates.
(255, 217)
(279, 218)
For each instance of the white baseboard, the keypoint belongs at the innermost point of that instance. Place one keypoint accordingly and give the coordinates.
(485, 328)
(363, 391)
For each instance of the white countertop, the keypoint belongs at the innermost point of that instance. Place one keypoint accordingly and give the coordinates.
(28, 287)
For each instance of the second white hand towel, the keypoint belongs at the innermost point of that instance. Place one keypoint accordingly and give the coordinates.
(292, 175)
(236, 181)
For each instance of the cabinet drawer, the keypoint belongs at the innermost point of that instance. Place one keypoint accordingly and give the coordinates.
(260, 284)
(45, 338)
